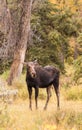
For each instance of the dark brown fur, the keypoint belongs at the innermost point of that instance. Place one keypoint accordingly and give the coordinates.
(42, 77)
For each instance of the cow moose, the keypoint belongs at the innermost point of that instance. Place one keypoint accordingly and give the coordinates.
(42, 77)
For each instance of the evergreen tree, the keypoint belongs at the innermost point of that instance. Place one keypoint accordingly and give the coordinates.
(51, 29)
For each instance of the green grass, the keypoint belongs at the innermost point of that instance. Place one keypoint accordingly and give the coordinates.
(4, 75)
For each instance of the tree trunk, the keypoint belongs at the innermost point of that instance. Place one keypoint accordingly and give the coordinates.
(23, 34)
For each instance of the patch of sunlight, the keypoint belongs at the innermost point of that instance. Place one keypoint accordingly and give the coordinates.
(74, 128)
(50, 127)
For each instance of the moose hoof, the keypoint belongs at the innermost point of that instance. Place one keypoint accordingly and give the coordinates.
(30, 108)
(36, 108)
(45, 108)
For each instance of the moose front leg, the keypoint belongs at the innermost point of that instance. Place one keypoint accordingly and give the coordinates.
(36, 96)
(30, 96)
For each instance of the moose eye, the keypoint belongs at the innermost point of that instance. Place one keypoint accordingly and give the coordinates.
(29, 67)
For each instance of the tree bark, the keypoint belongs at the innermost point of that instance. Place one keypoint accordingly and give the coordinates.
(23, 34)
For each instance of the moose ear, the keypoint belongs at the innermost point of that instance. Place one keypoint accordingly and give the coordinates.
(25, 63)
(36, 61)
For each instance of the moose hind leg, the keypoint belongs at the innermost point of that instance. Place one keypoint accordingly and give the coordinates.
(48, 89)
(56, 87)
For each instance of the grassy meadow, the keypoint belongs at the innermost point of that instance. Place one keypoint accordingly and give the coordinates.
(15, 114)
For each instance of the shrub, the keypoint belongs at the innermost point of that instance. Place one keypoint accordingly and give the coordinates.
(20, 84)
(73, 93)
(78, 69)
(70, 60)
(63, 120)
(4, 117)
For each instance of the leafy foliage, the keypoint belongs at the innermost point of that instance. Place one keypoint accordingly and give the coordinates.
(79, 41)
(51, 28)
(78, 69)
(73, 93)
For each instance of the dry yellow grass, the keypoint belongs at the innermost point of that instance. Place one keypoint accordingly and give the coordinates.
(21, 118)
(69, 117)
(68, 4)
